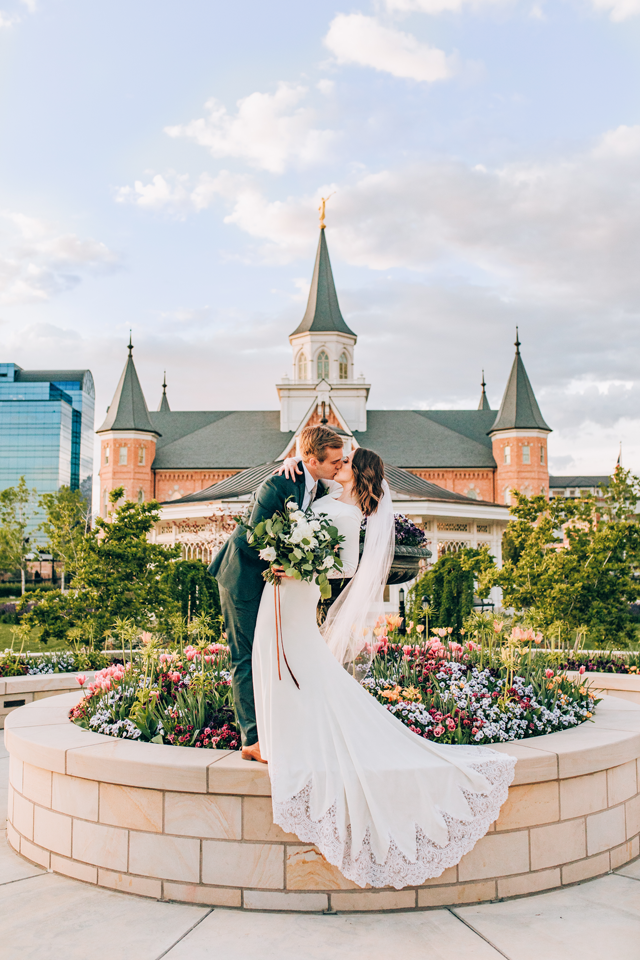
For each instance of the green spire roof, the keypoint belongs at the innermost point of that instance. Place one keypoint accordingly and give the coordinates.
(484, 400)
(128, 410)
(163, 406)
(519, 408)
(323, 310)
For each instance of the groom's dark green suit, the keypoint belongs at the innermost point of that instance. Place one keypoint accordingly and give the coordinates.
(238, 570)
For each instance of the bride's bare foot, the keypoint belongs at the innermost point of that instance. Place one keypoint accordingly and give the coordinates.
(252, 753)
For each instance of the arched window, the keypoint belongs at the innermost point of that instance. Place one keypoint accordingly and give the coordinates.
(343, 365)
(302, 367)
(323, 366)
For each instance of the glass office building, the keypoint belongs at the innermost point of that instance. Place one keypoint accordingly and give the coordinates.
(46, 428)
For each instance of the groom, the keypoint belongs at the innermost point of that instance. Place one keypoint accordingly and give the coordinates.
(238, 568)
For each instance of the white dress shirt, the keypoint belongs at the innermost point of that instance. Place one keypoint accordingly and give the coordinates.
(310, 488)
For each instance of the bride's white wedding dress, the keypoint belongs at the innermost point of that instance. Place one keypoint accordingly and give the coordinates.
(382, 804)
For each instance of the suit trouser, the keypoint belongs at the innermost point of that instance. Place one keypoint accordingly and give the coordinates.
(240, 624)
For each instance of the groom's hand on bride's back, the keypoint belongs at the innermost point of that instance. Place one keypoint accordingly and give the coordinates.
(289, 468)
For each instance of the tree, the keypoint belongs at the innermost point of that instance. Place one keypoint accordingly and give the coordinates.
(119, 575)
(192, 586)
(17, 507)
(449, 587)
(123, 570)
(65, 527)
(570, 564)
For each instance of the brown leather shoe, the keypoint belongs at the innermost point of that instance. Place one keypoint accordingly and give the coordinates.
(252, 752)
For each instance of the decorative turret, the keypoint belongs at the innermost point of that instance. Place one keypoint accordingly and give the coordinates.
(519, 437)
(163, 406)
(323, 355)
(128, 441)
(484, 400)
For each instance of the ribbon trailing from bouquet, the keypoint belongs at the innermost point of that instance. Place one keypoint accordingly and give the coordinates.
(279, 638)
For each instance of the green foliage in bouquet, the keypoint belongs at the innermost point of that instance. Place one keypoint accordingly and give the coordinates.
(304, 544)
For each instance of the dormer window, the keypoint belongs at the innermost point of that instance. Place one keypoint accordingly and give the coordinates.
(302, 367)
(343, 367)
(323, 366)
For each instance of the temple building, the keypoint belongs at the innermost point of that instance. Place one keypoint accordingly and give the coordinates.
(451, 471)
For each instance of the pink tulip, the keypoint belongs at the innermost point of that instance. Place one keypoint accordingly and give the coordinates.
(582, 670)
(81, 678)
(548, 673)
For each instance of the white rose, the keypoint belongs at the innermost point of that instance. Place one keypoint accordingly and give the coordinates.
(268, 553)
(292, 505)
(327, 562)
(314, 524)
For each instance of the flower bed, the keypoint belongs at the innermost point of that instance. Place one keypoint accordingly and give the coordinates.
(62, 661)
(444, 691)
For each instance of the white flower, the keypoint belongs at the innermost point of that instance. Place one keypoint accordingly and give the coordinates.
(327, 562)
(268, 553)
(292, 505)
(315, 524)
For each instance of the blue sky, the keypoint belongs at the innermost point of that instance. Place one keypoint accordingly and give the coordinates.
(162, 163)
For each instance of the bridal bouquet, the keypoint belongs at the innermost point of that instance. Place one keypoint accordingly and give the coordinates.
(303, 543)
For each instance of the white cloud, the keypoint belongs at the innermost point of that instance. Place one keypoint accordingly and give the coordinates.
(270, 131)
(618, 10)
(356, 38)
(436, 6)
(177, 194)
(37, 261)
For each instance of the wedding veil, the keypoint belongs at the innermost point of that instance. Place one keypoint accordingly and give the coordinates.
(351, 620)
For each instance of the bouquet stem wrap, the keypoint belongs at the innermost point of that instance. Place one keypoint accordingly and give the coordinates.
(279, 638)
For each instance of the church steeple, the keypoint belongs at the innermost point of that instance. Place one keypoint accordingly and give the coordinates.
(163, 406)
(519, 438)
(519, 408)
(484, 400)
(127, 442)
(323, 310)
(323, 357)
(128, 410)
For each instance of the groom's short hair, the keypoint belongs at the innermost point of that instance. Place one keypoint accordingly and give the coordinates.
(315, 441)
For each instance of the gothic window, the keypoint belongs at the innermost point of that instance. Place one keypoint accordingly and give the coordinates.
(140, 496)
(123, 456)
(343, 367)
(526, 454)
(323, 366)
(142, 453)
(106, 453)
(302, 367)
(541, 454)
(507, 454)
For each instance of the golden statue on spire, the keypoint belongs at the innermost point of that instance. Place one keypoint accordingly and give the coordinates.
(321, 209)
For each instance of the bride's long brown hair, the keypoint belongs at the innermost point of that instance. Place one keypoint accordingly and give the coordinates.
(368, 474)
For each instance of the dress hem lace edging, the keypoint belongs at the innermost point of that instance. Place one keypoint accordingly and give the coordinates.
(294, 816)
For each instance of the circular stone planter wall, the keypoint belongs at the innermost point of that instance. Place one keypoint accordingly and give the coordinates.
(17, 691)
(195, 825)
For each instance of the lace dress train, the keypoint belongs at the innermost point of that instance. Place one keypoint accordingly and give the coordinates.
(385, 806)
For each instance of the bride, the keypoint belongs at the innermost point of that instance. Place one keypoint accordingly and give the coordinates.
(384, 805)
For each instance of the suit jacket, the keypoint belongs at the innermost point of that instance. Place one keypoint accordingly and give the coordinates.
(237, 565)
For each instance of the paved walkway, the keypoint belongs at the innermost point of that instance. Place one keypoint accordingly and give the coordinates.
(47, 917)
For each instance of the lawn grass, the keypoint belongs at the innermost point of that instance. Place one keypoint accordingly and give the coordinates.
(33, 644)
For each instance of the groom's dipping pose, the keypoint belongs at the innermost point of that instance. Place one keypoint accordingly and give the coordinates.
(238, 568)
